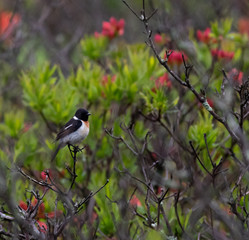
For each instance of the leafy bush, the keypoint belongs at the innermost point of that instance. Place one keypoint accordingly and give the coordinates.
(166, 156)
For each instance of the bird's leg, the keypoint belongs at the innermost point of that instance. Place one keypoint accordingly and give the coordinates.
(78, 149)
(71, 151)
(74, 150)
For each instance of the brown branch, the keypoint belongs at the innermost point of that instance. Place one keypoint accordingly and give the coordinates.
(122, 140)
(77, 208)
(141, 181)
(166, 220)
(41, 183)
(74, 156)
(4, 216)
(149, 218)
(185, 83)
(176, 211)
(209, 156)
(158, 119)
(197, 157)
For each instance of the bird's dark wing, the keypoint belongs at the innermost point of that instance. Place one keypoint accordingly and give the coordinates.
(71, 126)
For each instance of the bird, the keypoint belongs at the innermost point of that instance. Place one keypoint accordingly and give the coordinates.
(74, 131)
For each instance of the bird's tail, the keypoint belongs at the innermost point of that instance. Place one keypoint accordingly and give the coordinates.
(56, 151)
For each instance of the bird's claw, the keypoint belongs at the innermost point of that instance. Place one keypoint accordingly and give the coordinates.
(78, 149)
(75, 148)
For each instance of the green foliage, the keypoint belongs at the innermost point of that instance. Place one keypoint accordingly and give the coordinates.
(155, 101)
(154, 235)
(222, 28)
(4, 159)
(94, 48)
(117, 83)
(37, 85)
(87, 81)
(26, 148)
(203, 54)
(107, 209)
(13, 123)
(204, 126)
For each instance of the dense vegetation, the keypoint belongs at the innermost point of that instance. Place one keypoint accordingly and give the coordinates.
(167, 153)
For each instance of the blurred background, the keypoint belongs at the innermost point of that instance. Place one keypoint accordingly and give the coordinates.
(53, 60)
(54, 27)
(51, 30)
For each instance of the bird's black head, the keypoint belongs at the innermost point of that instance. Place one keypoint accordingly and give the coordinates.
(82, 114)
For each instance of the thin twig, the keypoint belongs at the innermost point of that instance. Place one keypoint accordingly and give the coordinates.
(166, 220)
(186, 83)
(122, 140)
(209, 156)
(74, 175)
(141, 181)
(90, 196)
(196, 155)
(176, 211)
(41, 183)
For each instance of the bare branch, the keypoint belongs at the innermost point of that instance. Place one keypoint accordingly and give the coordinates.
(210, 158)
(177, 77)
(122, 140)
(196, 155)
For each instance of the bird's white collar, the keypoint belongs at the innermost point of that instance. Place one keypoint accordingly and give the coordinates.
(75, 118)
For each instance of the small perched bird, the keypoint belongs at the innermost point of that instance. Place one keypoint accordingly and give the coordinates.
(74, 131)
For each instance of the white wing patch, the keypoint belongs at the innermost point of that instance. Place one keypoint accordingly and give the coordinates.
(77, 136)
(68, 126)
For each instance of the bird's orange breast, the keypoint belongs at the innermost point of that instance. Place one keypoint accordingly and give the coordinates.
(86, 123)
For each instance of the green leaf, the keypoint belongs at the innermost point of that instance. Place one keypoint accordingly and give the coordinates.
(226, 25)
(13, 123)
(38, 86)
(93, 47)
(203, 126)
(152, 235)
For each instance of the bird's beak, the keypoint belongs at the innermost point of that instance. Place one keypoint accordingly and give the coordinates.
(88, 114)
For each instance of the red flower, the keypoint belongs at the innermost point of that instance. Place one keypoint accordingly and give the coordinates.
(112, 28)
(26, 127)
(159, 190)
(154, 156)
(98, 35)
(205, 36)
(243, 25)
(8, 23)
(163, 81)
(220, 54)
(41, 208)
(161, 39)
(53, 214)
(44, 175)
(23, 205)
(107, 78)
(52, 174)
(210, 102)
(135, 202)
(175, 58)
(236, 76)
(42, 226)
